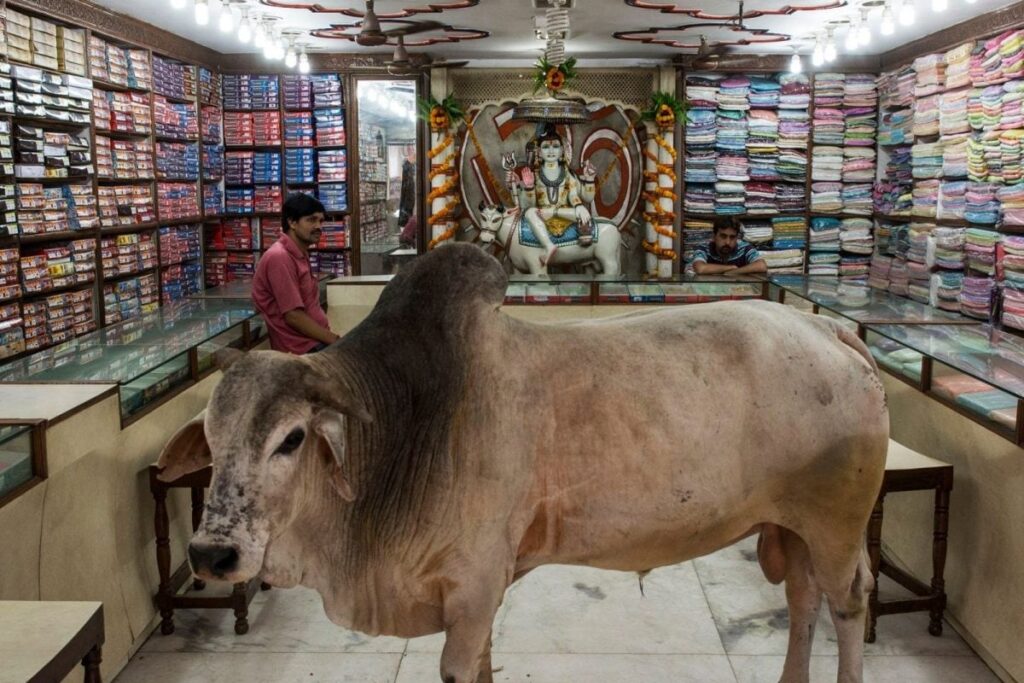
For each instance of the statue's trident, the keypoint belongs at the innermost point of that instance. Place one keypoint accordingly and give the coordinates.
(509, 163)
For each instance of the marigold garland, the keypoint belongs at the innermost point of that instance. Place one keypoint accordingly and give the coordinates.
(444, 214)
(443, 237)
(615, 160)
(441, 146)
(444, 189)
(660, 252)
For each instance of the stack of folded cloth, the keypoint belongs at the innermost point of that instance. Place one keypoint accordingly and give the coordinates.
(861, 90)
(823, 263)
(789, 232)
(700, 146)
(827, 163)
(899, 277)
(899, 240)
(878, 273)
(986, 63)
(858, 164)
(731, 144)
(976, 297)
(729, 198)
(733, 94)
(926, 199)
(978, 159)
(947, 286)
(826, 197)
(975, 112)
(1013, 281)
(857, 198)
(792, 166)
(855, 236)
(702, 92)
(952, 199)
(897, 127)
(887, 89)
(732, 166)
(918, 265)
(824, 235)
(854, 268)
(829, 89)
(758, 233)
(829, 126)
(949, 247)
(905, 80)
(791, 198)
(794, 128)
(762, 144)
(982, 204)
(760, 198)
(764, 93)
(1013, 308)
(886, 196)
(980, 247)
(784, 261)
(1012, 115)
(958, 66)
(695, 234)
(926, 160)
(1011, 201)
(954, 156)
(700, 165)
(795, 91)
(1010, 153)
(699, 198)
(991, 107)
(883, 231)
(1012, 52)
(953, 112)
(930, 75)
(926, 116)
(861, 123)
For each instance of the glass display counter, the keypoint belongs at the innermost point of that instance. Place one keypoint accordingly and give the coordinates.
(148, 358)
(602, 289)
(22, 461)
(974, 369)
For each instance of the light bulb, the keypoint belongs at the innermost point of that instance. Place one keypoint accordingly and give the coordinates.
(830, 50)
(795, 64)
(850, 42)
(940, 5)
(290, 58)
(259, 35)
(907, 14)
(244, 29)
(818, 56)
(178, 4)
(303, 62)
(202, 12)
(269, 48)
(279, 48)
(864, 34)
(888, 26)
(226, 21)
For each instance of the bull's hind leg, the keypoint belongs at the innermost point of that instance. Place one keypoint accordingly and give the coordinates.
(804, 598)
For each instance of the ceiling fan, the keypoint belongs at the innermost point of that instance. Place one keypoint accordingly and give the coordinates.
(402, 65)
(371, 35)
(709, 54)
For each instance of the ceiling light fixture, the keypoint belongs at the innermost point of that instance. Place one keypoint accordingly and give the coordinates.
(202, 12)
(259, 33)
(940, 5)
(796, 65)
(178, 4)
(864, 30)
(303, 61)
(244, 27)
(830, 48)
(851, 41)
(907, 13)
(818, 56)
(226, 21)
(291, 59)
(888, 25)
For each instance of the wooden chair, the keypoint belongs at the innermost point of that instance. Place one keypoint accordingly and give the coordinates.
(908, 470)
(44, 641)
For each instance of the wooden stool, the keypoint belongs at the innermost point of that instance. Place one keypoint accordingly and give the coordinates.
(907, 470)
(167, 598)
(44, 641)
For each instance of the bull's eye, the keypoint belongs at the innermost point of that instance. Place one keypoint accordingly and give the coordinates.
(291, 442)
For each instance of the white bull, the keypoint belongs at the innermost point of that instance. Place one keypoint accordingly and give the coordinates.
(497, 224)
(414, 469)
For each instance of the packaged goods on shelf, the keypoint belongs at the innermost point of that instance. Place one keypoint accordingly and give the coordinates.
(268, 199)
(252, 128)
(212, 124)
(298, 129)
(43, 153)
(216, 268)
(175, 120)
(181, 281)
(327, 91)
(239, 200)
(177, 161)
(300, 165)
(330, 127)
(213, 162)
(19, 35)
(71, 50)
(246, 168)
(57, 318)
(63, 98)
(122, 112)
(250, 91)
(332, 166)
(57, 266)
(9, 282)
(179, 243)
(241, 266)
(126, 205)
(6, 94)
(210, 83)
(230, 233)
(334, 235)
(60, 208)
(174, 79)
(177, 200)
(330, 263)
(12, 331)
(297, 91)
(213, 199)
(127, 254)
(130, 298)
(270, 232)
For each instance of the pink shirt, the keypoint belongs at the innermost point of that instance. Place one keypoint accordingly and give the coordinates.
(284, 282)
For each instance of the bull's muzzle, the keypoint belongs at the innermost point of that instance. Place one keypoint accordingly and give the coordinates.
(212, 561)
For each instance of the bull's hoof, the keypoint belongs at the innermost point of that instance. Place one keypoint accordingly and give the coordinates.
(935, 628)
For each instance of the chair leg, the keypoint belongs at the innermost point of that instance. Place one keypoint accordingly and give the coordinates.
(165, 593)
(875, 557)
(92, 665)
(238, 602)
(939, 560)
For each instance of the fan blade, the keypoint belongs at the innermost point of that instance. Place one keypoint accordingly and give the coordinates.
(446, 65)
(418, 27)
(370, 35)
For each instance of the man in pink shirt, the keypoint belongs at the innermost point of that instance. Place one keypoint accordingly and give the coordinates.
(284, 289)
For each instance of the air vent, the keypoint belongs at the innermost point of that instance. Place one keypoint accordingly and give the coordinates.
(548, 4)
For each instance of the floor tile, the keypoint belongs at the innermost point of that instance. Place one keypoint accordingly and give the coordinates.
(591, 668)
(877, 669)
(252, 667)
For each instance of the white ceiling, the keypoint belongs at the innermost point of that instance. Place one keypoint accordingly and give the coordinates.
(511, 25)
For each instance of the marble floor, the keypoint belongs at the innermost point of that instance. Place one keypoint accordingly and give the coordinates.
(713, 620)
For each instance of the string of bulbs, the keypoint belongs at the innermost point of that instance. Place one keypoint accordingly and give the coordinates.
(261, 30)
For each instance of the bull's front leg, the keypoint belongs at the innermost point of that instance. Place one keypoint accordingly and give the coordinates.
(469, 612)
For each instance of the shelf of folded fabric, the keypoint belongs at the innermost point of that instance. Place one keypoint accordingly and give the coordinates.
(611, 290)
(976, 370)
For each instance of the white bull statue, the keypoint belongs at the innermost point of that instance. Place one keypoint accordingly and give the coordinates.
(505, 227)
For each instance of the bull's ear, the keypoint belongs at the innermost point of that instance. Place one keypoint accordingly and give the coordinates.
(186, 452)
(226, 357)
(329, 426)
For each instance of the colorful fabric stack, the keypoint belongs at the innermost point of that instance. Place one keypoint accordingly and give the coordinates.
(731, 145)
(1010, 152)
(918, 265)
(824, 236)
(947, 286)
(997, 58)
(949, 248)
(854, 268)
(733, 94)
(695, 234)
(899, 278)
(826, 197)
(758, 233)
(764, 93)
(791, 198)
(958, 66)
(883, 232)
(700, 146)
(855, 236)
(1013, 100)
(976, 297)
(763, 144)
(784, 261)
(878, 273)
(982, 204)
(953, 112)
(980, 247)
(861, 90)
(897, 127)
(952, 199)
(954, 156)
(929, 73)
(926, 160)
(794, 92)
(827, 163)
(861, 126)
(789, 232)
(856, 198)
(760, 198)
(926, 199)
(829, 89)
(829, 126)
(1013, 281)
(699, 198)
(1011, 201)
(926, 116)
(702, 92)
(729, 198)
(858, 164)
(823, 263)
